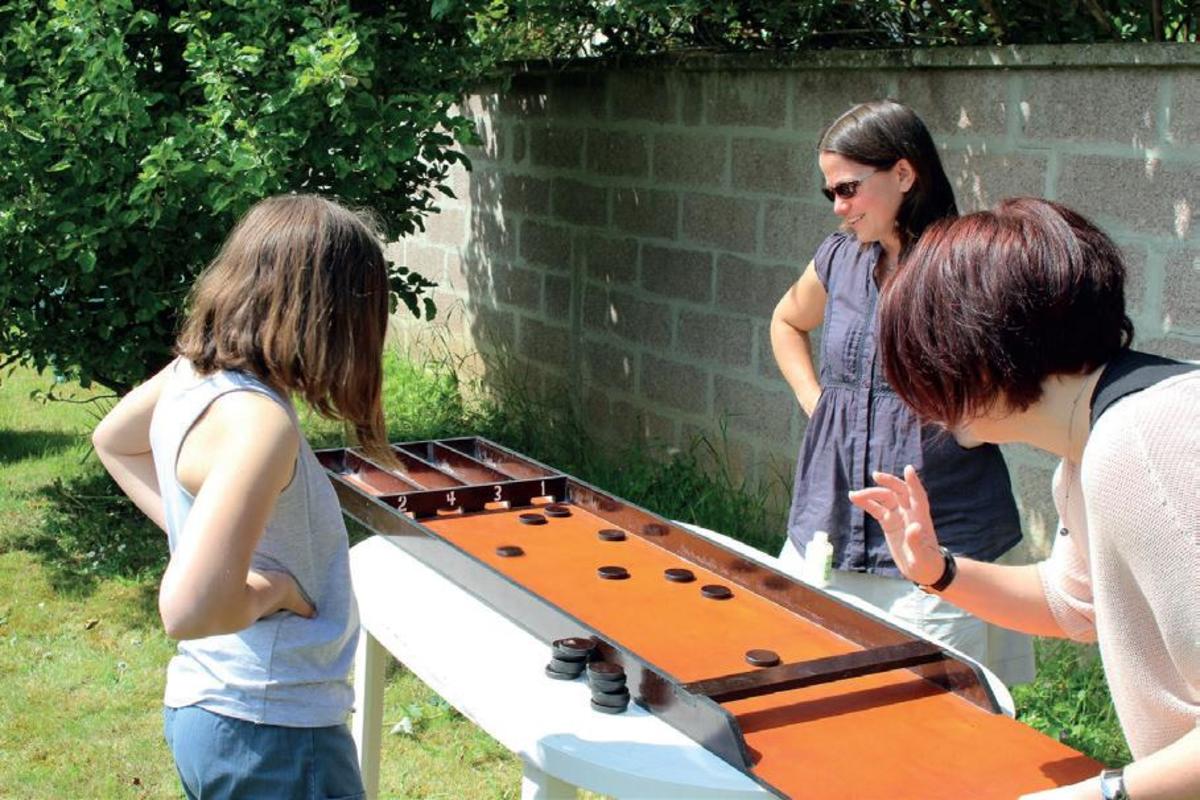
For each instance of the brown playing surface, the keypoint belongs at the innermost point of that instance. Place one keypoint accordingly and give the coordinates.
(887, 735)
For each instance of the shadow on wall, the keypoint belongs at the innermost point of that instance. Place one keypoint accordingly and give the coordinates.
(583, 276)
(530, 220)
(504, 298)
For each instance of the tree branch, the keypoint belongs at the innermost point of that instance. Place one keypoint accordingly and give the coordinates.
(995, 21)
(1098, 14)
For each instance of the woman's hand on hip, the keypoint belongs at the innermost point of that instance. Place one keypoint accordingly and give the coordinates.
(809, 399)
(901, 507)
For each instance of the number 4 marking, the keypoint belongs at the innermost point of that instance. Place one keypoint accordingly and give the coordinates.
(450, 498)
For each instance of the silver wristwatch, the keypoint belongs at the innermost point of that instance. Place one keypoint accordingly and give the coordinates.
(1112, 785)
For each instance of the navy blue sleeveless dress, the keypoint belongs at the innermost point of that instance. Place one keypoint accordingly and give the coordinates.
(860, 425)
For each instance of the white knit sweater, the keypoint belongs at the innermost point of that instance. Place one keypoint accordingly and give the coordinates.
(1128, 573)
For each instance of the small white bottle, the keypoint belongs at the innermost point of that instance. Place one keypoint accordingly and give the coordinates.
(818, 561)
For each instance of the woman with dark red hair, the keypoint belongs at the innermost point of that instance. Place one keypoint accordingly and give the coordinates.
(1010, 326)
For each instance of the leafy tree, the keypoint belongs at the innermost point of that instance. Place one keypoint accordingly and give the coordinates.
(554, 28)
(133, 134)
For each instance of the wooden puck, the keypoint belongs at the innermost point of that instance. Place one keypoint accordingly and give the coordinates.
(573, 647)
(567, 667)
(605, 670)
(561, 676)
(532, 519)
(614, 699)
(509, 551)
(611, 535)
(762, 658)
(606, 686)
(715, 591)
(613, 573)
(679, 575)
(556, 510)
(608, 709)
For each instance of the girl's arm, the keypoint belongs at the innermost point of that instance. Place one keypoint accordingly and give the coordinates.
(798, 312)
(1010, 596)
(122, 442)
(237, 459)
(1172, 773)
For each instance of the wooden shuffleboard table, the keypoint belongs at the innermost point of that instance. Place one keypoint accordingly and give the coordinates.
(803, 693)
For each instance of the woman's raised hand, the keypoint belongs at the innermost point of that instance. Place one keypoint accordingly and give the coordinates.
(901, 507)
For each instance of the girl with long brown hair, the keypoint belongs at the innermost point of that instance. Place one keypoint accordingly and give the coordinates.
(257, 588)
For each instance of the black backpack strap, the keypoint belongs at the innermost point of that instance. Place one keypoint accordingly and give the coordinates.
(1131, 372)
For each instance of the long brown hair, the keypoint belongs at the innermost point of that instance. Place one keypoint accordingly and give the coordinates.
(298, 297)
(880, 133)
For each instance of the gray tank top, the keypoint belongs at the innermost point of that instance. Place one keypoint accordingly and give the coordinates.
(283, 669)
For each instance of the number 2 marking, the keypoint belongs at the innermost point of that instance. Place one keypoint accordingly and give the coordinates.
(403, 502)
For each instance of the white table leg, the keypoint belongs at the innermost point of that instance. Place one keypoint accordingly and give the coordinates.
(370, 664)
(539, 785)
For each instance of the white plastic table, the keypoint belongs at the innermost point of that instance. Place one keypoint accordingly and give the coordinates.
(422, 619)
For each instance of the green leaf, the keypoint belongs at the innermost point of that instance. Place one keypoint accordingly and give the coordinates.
(30, 134)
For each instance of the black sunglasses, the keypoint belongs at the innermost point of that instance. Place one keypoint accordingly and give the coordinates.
(845, 189)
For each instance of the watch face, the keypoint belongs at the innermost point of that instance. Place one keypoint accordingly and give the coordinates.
(1112, 785)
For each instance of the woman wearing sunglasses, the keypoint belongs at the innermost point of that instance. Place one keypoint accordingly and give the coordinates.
(883, 175)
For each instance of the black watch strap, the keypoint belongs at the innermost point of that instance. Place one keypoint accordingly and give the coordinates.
(949, 570)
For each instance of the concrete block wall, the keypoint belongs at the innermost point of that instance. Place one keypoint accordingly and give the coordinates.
(628, 227)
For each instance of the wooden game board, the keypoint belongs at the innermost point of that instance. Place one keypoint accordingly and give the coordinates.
(855, 709)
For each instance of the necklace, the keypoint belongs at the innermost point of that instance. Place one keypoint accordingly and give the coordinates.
(1067, 462)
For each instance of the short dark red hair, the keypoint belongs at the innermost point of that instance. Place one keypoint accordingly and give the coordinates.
(987, 306)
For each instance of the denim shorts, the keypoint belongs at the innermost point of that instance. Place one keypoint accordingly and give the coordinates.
(221, 757)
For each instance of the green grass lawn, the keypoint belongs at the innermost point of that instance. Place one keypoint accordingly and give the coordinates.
(83, 657)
